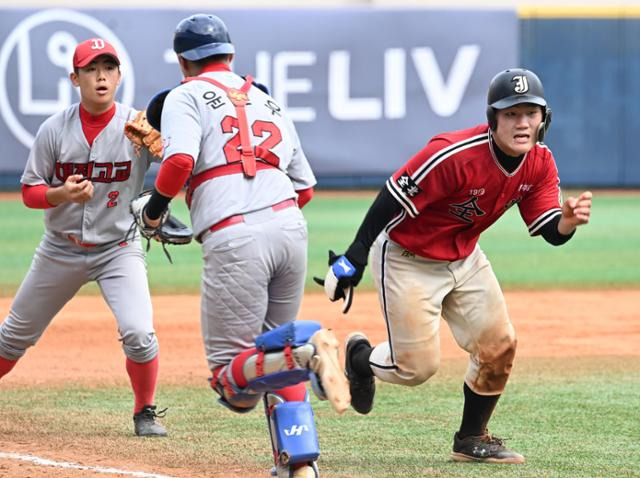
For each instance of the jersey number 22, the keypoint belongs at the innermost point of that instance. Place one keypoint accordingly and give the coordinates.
(232, 148)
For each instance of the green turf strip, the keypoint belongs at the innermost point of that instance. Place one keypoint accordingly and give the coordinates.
(605, 253)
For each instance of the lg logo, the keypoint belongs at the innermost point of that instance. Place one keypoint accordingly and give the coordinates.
(42, 46)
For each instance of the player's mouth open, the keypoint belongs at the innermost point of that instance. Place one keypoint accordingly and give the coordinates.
(102, 89)
(521, 138)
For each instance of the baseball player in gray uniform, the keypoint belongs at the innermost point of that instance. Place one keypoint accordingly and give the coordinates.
(248, 177)
(83, 172)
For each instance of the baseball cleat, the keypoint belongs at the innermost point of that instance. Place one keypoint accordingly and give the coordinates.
(483, 448)
(326, 367)
(145, 423)
(362, 388)
(306, 471)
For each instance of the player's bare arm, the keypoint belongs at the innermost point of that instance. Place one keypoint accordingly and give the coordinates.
(575, 212)
(75, 189)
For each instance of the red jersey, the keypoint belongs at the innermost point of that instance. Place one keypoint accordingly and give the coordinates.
(455, 188)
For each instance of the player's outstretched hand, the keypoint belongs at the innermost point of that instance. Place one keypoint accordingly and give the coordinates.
(575, 212)
(343, 275)
(78, 189)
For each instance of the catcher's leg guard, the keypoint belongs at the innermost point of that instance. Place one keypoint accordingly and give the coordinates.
(284, 356)
(236, 397)
(293, 437)
(308, 352)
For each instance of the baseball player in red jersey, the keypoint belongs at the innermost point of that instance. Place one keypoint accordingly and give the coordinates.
(248, 177)
(83, 173)
(423, 229)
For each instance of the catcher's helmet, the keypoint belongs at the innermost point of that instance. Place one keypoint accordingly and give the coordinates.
(201, 35)
(513, 87)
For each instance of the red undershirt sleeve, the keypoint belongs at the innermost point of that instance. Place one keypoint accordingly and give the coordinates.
(304, 196)
(173, 174)
(35, 197)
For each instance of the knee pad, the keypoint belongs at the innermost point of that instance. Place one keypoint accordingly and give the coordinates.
(239, 400)
(293, 431)
(283, 357)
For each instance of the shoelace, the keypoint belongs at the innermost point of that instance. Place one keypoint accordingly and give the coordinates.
(161, 413)
(151, 412)
(494, 440)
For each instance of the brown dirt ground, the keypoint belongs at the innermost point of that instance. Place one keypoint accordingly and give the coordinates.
(81, 345)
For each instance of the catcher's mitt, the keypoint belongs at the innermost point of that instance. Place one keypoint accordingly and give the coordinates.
(170, 230)
(174, 231)
(141, 133)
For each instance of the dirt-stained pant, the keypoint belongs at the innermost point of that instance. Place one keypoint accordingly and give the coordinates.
(415, 292)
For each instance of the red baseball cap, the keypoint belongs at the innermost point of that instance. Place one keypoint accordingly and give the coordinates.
(89, 50)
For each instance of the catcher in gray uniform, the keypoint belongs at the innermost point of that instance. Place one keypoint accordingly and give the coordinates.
(84, 173)
(248, 177)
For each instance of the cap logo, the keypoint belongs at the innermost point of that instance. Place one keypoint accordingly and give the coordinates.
(97, 44)
(522, 85)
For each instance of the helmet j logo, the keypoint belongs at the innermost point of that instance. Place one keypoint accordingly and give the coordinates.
(39, 85)
(522, 85)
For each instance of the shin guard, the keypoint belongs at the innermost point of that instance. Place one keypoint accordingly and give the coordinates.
(293, 432)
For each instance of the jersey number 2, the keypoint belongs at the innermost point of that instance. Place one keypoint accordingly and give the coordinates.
(262, 151)
(113, 196)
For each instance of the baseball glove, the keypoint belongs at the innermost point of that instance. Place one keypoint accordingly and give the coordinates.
(141, 133)
(170, 230)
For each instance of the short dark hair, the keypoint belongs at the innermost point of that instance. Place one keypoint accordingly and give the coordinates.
(224, 57)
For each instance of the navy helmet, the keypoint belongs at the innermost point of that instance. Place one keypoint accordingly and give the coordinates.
(154, 108)
(201, 35)
(513, 87)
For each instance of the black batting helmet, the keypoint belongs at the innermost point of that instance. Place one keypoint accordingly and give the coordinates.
(513, 87)
(200, 36)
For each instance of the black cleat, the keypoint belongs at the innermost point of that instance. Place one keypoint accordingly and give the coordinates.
(483, 448)
(145, 422)
(362, 388)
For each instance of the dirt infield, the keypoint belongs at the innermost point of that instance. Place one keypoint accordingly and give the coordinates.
(81, 344)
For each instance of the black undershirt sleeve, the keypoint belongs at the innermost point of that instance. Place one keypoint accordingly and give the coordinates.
(156, 205)
(550, 233)
(384, 208)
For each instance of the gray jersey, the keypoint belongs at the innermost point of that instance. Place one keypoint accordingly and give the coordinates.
(60, 149)
(61, 264)
(199, 120)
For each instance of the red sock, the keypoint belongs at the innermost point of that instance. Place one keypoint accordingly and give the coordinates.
(6, 365)
(293, 393)
(143, 381)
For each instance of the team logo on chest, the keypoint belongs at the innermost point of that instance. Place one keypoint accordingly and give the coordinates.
(467, 210)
